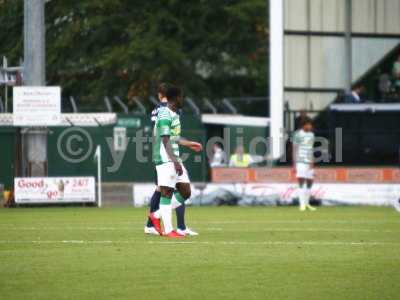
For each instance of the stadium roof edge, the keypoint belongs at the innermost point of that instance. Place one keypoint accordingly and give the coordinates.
(73, 119)
(238, 120)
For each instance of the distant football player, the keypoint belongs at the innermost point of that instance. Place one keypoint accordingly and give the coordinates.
(303, 161)
(172, 176)
(397, 205)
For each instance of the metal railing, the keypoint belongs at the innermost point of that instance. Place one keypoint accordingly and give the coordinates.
(250, 106)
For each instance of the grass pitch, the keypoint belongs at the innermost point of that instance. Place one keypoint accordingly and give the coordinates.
(242, 253)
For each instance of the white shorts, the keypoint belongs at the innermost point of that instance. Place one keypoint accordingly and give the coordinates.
(304, 171)
(167, 176)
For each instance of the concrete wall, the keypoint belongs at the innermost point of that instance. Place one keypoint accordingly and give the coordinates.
(376, 16)
(315, 15)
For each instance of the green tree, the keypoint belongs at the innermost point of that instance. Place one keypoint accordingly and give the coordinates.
(213, 49)
(11, 30)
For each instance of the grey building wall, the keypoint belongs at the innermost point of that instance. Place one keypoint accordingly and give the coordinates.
(316, 49)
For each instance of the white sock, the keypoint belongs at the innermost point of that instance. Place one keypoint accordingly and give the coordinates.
(157, 214)
(308, 196)
(175, 203)
(166, 217)
(303, 195)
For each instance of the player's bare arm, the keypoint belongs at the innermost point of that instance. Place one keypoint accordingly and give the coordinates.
(196, 147)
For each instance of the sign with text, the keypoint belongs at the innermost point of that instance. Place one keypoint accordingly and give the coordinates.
(37, 106)
(54, 190)
(285, 175)
(129, 123)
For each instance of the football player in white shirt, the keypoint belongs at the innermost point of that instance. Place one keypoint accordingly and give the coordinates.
(303, 161)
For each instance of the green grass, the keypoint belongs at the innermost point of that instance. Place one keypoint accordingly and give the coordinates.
(242, 253)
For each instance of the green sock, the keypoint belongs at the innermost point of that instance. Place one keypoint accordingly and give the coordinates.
(179, 198)
(165, 201)
(166, 214)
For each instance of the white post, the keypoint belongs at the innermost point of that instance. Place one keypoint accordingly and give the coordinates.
(6, 99)
(5, 66)
(276, 76)
(35, 75)
(349, 45)
(34, 43)
(98, 156)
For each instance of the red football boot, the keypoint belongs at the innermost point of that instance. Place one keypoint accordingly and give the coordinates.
(156, 223)
(173, 235)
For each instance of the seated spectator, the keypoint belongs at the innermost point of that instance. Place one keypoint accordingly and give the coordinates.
(354, 96)
(240, 159)
(219, 158)
(396, 73)
(384, 86)
(340, 97)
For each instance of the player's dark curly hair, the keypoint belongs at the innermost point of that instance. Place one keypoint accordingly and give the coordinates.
(162, 89)
(173, 93)
(305, 121)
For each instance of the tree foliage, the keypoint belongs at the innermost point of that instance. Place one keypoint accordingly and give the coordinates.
(212, 48)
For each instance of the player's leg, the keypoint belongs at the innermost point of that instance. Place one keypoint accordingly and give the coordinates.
(180, 212)
(166, 208)
(167, 179)
(397, 205)
(302, 192)
(180, 208)
(166, 212)
(182, 194)
(154, 206)
(309, 176)
(309, 184)
(181, 224)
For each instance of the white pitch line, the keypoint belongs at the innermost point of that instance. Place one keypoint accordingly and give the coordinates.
(248, 222)
(300, 221)
(45, 228)
(312, 230)
(224, 243)
(303, 221)
(70, 228)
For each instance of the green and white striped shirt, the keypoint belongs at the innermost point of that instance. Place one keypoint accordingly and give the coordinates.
(305, 146)
(167, 124)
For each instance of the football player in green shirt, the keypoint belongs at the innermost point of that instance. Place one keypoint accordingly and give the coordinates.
(172, 176)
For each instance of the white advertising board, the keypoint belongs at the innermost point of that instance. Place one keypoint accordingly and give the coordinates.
(280, 193)
(37, 106)
(53, 190)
